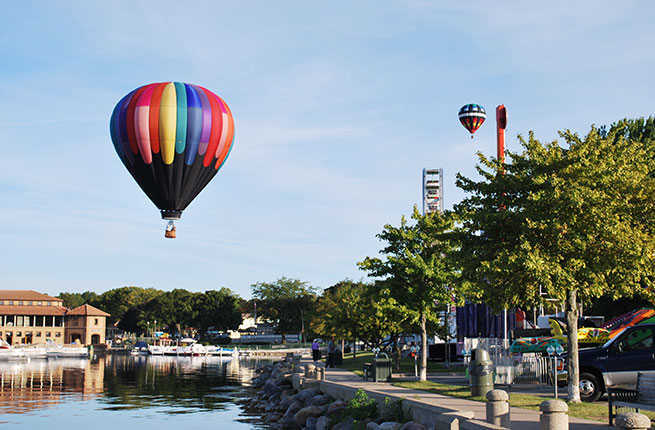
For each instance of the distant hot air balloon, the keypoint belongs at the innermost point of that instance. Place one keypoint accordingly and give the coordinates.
(172, 137)
(472, 116)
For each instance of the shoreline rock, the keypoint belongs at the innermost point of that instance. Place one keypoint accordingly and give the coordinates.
(282, 407)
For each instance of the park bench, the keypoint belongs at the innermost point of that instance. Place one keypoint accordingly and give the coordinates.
(643, 397)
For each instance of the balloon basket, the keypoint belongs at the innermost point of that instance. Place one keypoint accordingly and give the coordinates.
(169, 233)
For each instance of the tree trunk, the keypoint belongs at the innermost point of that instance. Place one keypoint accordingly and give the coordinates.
(573, 365)
(423, 373)
(355, 347)
(447, 345)
(397, 353)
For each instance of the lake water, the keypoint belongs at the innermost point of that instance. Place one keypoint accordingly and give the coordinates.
(126, 392)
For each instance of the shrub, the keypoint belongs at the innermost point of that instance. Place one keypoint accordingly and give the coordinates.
(361, 406)
(392, 410)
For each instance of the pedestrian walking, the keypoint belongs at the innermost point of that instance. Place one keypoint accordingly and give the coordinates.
(316, 350)
(332, 349)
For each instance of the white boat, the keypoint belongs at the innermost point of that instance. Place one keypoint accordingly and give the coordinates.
(55, 350)
(8, 352)
(219, 351)
(156, 349)
(171, 350)
(188, 347)
(35, 351)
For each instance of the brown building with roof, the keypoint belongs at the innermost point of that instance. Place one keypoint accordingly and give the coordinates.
(28, 317)
(85, 324)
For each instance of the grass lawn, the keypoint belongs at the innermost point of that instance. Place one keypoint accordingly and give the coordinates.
(406, 365)
(592, 411)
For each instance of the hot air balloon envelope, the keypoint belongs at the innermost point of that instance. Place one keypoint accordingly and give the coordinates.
(472, 116)
(173, 138)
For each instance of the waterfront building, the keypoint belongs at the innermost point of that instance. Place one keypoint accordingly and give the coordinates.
(29, 317)
(86, 324)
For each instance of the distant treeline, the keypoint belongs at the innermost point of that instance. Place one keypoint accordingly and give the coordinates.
(135, 309)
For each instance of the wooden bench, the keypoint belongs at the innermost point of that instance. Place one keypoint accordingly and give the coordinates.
(643, 397)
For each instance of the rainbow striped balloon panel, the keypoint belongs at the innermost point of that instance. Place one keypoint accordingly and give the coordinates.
(172, 137)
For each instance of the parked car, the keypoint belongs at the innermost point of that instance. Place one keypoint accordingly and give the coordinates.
(617, 362)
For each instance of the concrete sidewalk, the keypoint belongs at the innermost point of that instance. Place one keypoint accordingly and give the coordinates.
(521, 418)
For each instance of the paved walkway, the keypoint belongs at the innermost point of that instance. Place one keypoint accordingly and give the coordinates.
(524, 419)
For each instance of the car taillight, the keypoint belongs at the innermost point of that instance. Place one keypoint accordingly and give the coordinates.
(560, 365)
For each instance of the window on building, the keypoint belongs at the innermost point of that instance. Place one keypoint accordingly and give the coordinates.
(39, 321)
(10, 320)
(95, 321)
(59, 321)
(19, 333)
(58, 334)
(19, 321)
(48, 334)
(38, 334)
(29, 303)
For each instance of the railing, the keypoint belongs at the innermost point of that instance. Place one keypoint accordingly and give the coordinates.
(527, 368)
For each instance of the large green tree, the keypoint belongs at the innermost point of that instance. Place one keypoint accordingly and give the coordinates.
(219, 309)
(417, 267)
(573, 221)
(287, 303)
(339, 310)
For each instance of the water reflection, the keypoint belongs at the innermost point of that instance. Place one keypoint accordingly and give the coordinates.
(124, 388)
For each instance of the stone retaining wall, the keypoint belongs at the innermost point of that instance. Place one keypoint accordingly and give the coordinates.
(291, 397)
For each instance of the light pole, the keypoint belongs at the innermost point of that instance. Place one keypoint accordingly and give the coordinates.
(501, 124)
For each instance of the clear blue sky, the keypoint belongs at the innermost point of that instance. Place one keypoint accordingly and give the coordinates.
(337, 106)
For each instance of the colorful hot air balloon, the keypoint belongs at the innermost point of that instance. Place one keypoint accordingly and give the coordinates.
(172, 137)
(472, 116)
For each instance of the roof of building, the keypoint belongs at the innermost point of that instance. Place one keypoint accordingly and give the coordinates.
(26, 295)
(87, 310)
(32, 310)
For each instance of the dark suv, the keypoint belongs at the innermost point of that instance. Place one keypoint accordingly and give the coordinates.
(617, 362)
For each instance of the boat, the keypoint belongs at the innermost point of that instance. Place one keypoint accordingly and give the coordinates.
(8, 352)
(190, 348)
(35, 351)
(156, 349)
(55, 350)
(219, 351)
(140, 348)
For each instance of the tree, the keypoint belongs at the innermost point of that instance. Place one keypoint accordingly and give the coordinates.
(119, 300)
(73, 300)
(418, 268)
(338, 311)
(574, 222)
(219, 309)
(286, 302)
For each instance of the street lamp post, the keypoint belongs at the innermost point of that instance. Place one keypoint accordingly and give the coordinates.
(501, 124)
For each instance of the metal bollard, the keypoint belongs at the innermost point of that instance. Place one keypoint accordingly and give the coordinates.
(554, 415)
(632, 420)
(498, 408)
